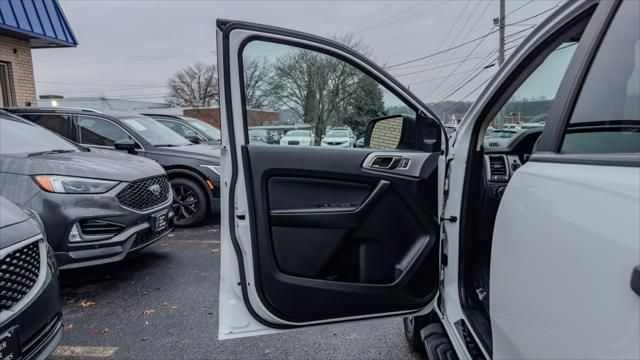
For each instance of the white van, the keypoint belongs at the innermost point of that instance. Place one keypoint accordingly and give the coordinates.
(526, 249)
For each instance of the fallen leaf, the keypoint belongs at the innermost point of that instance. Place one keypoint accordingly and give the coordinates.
(99, 332)
(67, 327)
(148, 311)
(145, 338)
(86, 303)
(170, 235)
(165, 244)
(352, 336)
(267, 351)
(215, 251)
(146, 322)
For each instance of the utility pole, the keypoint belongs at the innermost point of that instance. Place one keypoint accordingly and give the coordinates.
(501, 24)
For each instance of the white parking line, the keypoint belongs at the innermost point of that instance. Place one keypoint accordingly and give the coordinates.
(85, 351)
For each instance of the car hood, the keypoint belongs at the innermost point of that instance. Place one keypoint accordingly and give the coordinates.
(337, 139)
(10, 213)
(207, 153)
(295, 138)
(97, 163)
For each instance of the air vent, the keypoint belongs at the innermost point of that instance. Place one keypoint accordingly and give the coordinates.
(96, 229)
(498, 167)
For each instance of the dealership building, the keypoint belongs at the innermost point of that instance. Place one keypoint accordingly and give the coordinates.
(27, 25)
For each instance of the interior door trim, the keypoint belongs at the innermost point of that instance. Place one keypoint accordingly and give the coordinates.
(330, 217)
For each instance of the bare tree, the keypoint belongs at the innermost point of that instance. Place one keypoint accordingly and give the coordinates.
(194, 86)
(316, 87)
(257, 77)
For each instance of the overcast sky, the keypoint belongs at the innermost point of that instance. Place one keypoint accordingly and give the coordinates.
(128, 49)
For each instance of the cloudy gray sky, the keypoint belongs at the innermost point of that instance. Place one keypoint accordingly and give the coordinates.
(128, 49)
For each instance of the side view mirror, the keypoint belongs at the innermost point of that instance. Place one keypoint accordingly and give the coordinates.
(403, 132)
(193, 138)
(126, 144)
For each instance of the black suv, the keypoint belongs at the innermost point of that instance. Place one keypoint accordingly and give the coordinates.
(30, 315)
(96, 205)
(194, 130)
(193, 169)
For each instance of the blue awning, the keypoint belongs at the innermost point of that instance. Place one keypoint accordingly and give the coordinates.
(42, 22)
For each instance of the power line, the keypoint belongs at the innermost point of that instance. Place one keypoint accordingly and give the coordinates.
(92, 84)
(436, 67)
(363, 17)
(467, 42)
(468, 54)
(519, 7)
(469, 94)
(395, 20)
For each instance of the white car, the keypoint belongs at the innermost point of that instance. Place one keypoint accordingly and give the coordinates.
(298, 138)
(339, 137)
(523, 251)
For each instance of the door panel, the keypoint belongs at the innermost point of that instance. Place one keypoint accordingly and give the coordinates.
(313, 234)
(347, 240)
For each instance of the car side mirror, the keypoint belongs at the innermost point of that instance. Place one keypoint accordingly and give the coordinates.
(404, 132)
(193, 138)
(126, 144)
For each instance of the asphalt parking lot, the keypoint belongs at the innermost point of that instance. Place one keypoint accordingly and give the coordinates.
(163, 302)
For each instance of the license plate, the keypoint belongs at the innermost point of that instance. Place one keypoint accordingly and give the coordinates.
(159, 222)
(9, 344)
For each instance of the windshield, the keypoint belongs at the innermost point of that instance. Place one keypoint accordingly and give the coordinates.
(338, 133)
(297, 133)
(154, 133)
(204, 128)
(19, 136)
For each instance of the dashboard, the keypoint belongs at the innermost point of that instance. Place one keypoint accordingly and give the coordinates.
(503, 158)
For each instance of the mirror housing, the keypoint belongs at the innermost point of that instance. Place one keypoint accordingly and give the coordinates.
(126, 144)
(405, 131)
(195, 139)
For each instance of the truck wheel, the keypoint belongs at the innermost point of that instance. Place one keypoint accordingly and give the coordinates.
(189, 202)
(412, 327)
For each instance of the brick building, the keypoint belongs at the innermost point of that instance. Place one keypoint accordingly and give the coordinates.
(212, 116)
(27, 25)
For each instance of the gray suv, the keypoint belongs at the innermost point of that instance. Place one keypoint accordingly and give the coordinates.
(96, 205)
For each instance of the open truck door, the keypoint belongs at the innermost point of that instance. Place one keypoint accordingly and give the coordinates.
(311, 234)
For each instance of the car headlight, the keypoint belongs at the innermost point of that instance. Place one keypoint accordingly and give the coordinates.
(74, 185)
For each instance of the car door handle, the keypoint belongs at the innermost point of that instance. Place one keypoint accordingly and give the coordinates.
(635, 280)
(385, 162)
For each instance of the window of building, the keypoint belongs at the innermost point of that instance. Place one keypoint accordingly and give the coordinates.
(5, 86)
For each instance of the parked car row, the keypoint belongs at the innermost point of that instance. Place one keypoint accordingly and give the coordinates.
(82, 188)
(341, 137)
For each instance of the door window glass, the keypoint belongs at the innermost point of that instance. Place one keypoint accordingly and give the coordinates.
(56, 123)
(606, 117)
(299, 97)
(528, 107)
(97, 131)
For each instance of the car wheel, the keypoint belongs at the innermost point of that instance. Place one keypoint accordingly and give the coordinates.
(412, 327)
(189, 202)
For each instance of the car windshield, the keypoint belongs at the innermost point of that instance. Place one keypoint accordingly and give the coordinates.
(153, 132)
(206, 129)
(297, 133)
(338, 133)
(18, 136)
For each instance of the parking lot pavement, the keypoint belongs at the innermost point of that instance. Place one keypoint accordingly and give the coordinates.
(163, 301)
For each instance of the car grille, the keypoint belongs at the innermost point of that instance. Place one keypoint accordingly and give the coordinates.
(139, 195)
(294, 142)
(335, 142)
(19, 271)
